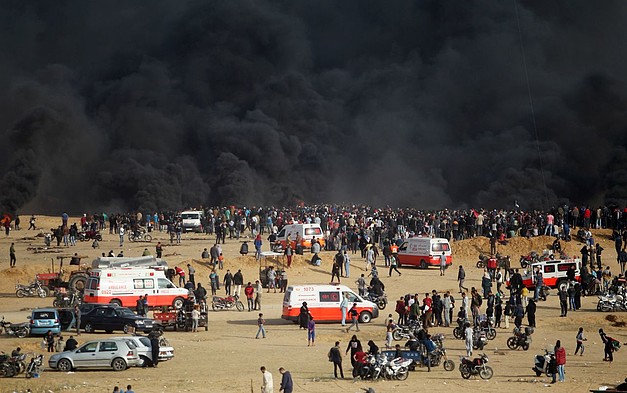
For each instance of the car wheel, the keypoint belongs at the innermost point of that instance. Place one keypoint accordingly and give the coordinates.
(365, 317)
(89, 328)
(127, 328)
(64, 365)
(118, 364)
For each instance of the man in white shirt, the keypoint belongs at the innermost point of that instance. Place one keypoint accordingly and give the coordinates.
(268, 384)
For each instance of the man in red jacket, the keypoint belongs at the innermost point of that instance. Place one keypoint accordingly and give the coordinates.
(249, 291)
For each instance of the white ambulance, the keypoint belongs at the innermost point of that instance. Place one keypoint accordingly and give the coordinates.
(323, 302)
(305, 232)
(191, 220)
(123, 286)
(424, 252)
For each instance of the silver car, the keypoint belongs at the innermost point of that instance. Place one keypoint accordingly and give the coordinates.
(144, 349)
(117, 353)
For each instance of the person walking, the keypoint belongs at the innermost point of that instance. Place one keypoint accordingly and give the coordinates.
(238, 281)
(287, 384)
(393, 266)
(267, 384)
(12, 255)
(347, 265)
(361, 285)
(560, 360)
(335, 356)
(580, 339)
(461, 276)
(311, 332)
(354, 320)
(260, 323)
(531, 313)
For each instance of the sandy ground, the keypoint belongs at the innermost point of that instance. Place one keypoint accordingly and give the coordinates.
(227, 357)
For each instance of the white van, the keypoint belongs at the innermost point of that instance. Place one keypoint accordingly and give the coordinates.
(192, 220)
(305, 232)
(424, 252)
(323, 302)
(124, 286)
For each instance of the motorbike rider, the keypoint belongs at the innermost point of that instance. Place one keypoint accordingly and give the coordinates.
(16, 352)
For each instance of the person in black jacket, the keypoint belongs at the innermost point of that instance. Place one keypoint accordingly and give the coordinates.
(335, 356)
(531, 313)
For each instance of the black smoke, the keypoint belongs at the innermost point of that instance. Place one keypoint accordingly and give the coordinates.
(158, 104)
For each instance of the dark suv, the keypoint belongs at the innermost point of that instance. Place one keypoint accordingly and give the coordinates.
(110, 318)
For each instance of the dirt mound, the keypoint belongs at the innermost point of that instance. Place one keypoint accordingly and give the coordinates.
(615, 320)
(468, 250)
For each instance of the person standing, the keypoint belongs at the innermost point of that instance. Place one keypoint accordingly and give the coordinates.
(347, 265)
(77, 316)
(139, 306)
(311, 332)
(344, 308)
(238, 281)
(442, 263)
(608, 346)
(154, 350)
(335, 272)
(538, 282)
(288, 254)
(260, 323)
(287, 384)
(249, 292)
(121, 233)
(192, 272)
(50, 341)
(469, 332)
(622, 260)
(335, 356)
(258, 291)
(228, 280)
(563, 295)
(560, 360)
(159, 250)
(531, 313)
(12, 255)
(267, 384)
(195, 318)
(461, 276)
(354, 320)
(361, 285)
(580, 339)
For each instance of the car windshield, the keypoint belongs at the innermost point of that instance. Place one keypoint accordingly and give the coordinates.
(125, 312)
(190, 216)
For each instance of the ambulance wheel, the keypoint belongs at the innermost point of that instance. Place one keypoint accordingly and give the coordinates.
(365, 317)
(116, 302)
(177, 302)
(423, 264)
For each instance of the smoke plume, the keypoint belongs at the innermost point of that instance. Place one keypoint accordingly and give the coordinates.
(153, 105)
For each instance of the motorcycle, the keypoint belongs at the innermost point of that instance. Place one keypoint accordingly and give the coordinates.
(439, 353)
(19, 330)
(483, 261)
(458, 331)
(12, 365)
(520, 339)
(380, 301)
(397, 369)
(541, 363)
(225, 303)
(405, 332)
(139, 236)
(477, 366)
(67, 299)
(486, 327)
(533, 257)
(89, 235)
(34, 289)
(613, 301)
(479, 339)
(35, 366)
